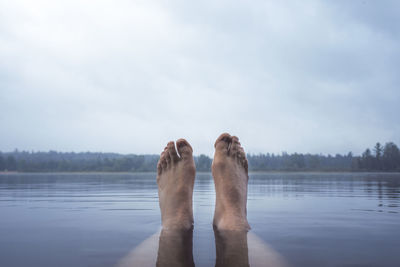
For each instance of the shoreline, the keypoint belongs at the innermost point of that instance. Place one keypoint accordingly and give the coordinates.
(202, 172)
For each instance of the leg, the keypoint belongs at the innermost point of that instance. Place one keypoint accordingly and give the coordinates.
(175, 179)
(175, 248)
(231, 248)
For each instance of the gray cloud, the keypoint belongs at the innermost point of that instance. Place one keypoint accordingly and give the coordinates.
(128, 76)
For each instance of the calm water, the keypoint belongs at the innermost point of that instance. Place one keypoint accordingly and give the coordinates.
(96, 219)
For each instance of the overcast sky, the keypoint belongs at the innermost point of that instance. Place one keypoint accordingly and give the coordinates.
(128, 76)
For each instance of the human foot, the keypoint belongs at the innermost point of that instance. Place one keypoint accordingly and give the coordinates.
(230, 172)
(175, 179)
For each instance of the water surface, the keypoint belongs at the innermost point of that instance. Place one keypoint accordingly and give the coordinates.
(311, 219)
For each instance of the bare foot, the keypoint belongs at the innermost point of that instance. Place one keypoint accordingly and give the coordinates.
(230, 172)
(175, 181)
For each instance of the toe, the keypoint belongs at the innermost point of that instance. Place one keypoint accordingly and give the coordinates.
(163, 161)
(246, 166)
(242, 153)
(184, 149)
(234, 147)
(168, 159)
(222, 143)
(172, 152)
(242, 158)
(159, 167)
(235, 140)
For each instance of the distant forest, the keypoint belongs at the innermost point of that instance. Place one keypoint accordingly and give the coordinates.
(380, 158)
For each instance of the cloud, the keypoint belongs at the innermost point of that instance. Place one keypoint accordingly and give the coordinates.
(128, 76)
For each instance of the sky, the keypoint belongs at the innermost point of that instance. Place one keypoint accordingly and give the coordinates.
(129, 76)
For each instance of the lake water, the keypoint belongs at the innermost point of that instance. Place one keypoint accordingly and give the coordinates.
(310, 219)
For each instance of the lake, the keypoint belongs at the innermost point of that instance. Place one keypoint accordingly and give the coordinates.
(310, 219)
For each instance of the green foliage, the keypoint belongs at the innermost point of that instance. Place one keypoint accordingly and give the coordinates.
(299, 162)
(11, 163)
(53, 161)
(385, 158)
(391, 157)
(2, 163)
(203, 163)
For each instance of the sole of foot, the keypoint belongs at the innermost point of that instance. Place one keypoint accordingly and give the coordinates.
(175, 178)
(230, 173)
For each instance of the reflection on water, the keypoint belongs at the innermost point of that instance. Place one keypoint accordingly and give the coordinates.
(174, 248)
(97, 219)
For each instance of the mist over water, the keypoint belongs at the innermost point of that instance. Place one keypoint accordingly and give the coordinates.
(311, 219)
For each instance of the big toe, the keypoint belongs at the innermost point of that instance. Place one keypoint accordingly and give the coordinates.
(184, 149)
(222, 143)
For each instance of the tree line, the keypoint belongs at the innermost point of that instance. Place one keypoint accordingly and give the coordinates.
(380, 158)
